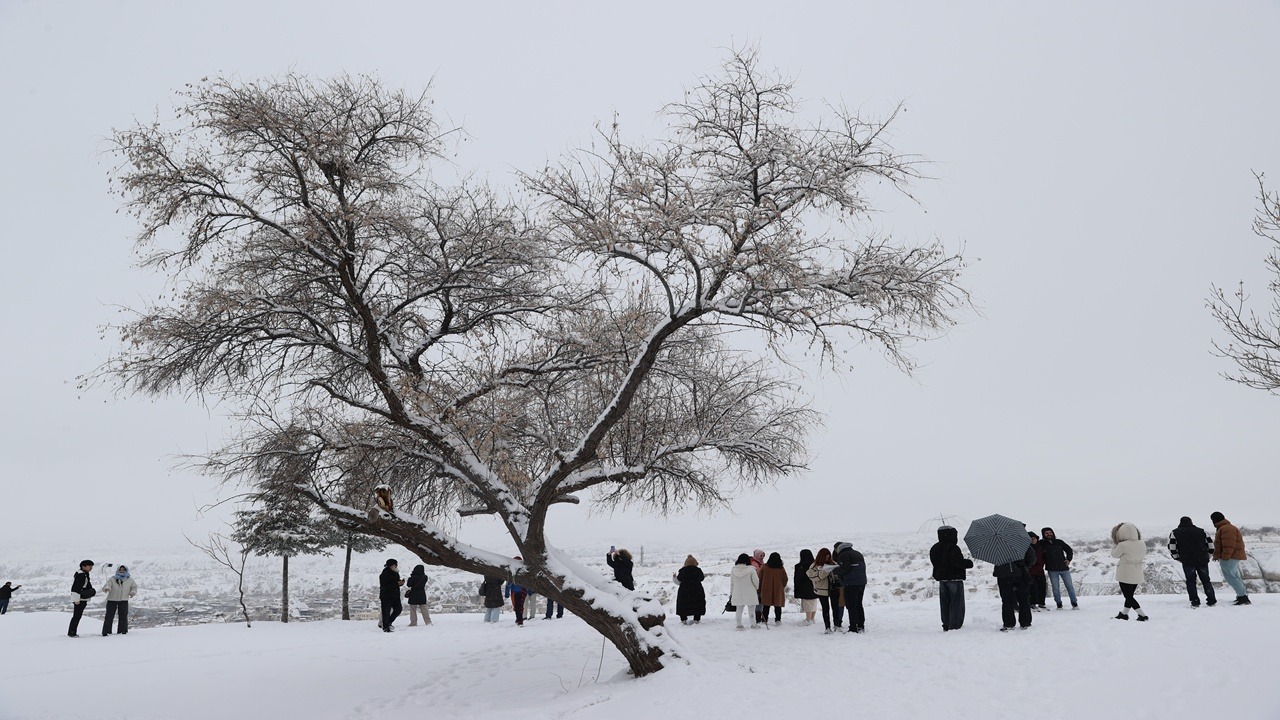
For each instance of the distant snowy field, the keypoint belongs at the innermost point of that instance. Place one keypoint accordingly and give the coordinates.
(1211, 662)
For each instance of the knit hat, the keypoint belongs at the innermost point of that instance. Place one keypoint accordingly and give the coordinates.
(690, 560)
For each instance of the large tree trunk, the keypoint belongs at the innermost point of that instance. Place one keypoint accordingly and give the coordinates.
(284, 593)
(346, 584)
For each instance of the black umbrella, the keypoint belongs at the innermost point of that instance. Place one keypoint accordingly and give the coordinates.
(997, 539)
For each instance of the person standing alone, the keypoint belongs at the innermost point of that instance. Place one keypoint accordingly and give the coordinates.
(949, 566)
(119, 588)
(1131, 551)
(1190, 546)
(1228, 550)
(1057, 563)
(6, 592)
(81, 591)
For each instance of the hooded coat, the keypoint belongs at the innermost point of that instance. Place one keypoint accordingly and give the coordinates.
(1056, 553)
(801, 581)
(691, 598)
(622, 567)
(1189, 544)
(1131, 551)
(491, 589)
(851, 566)
(417, 584)
(744, 584)
(949, 563)
(389, 585)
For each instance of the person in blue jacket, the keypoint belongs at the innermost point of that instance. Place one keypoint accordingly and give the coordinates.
(517, 593)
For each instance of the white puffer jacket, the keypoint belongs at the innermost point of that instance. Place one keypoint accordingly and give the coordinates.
(117, 591)
(1131, 551)
(744, 586)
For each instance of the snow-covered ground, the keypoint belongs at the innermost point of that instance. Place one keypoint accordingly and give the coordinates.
(1210, 662)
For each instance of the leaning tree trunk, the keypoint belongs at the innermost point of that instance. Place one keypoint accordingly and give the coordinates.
(284, 593)
(346, 583)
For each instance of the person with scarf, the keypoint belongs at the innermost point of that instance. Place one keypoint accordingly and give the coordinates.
(119, 588)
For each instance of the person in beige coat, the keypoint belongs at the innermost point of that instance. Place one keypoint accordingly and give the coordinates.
(118, 589)
(1132, 552)
(744, 589)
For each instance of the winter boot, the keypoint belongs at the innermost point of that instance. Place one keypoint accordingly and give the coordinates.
(1243, 600)
(1122, 615)
(1142, 617)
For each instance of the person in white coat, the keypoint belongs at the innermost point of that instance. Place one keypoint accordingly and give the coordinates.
(744, 589)
(1132, 553)
(119, 588)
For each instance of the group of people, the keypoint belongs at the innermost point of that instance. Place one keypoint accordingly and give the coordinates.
(119, 588)
(389, 584)
(1022, 582)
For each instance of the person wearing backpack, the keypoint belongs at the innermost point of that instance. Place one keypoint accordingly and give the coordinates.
(81, 591)
(119, 589)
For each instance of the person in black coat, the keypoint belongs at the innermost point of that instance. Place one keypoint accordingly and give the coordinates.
(81, 590)
(416, 595)
(949, 566)
(1057, 565)
(389, 584)
(491, 589)
(6, 592)
(1014, 581)
(620, 561)
(851, 568)
(1191, 546)
(802, 587)
(691, 598)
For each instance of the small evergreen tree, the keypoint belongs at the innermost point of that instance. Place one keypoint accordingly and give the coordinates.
(283, 526)
(355, 542)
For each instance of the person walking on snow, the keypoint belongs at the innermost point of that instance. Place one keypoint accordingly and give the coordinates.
(1057, 563)
(6, 592)
(389, 584)
(949, 566)
(620, 561)
(119, 588)
(1190, 546)
(691, 598)
(417, 596)
(821, 579)
(1039, 586)
(744, 589)
(1131, 551)
(1228, 550)
(803, 587)
(81, 591)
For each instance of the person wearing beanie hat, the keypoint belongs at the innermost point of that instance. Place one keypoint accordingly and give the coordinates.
(119, 588)
(1190, 546)
(1131, 552)
(389, 584)
(691, 597)
(1057, 565)
(1228, 550)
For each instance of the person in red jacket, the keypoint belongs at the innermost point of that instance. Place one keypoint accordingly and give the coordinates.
(1039, 584)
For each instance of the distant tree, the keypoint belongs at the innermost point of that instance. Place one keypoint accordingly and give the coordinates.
(495, 355)
(283, 526)
(360, 543)
(1253, 340)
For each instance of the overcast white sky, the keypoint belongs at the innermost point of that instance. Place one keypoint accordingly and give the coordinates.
(1093, 159)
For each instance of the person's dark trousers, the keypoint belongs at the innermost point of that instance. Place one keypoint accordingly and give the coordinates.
(951, 602)
(391, 610)
(77, 609)
(113, 607)
(517, 604)
(4, 606)
(1039, 590)
(825, 602)
(1202, 571)
(853, 603)
(559, 610)
(837, 605)
(1129, 601)
(1015, 601)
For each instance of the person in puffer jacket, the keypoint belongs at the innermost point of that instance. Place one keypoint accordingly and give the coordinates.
(1131, 551)
(744, 589)
(851, 568)
(119, 588)
(949, 566)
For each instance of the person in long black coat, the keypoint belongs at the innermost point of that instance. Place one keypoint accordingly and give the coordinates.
(491, 589)
(803, 587)
(389, 584)
(81, 590)
(620, 561)
(691, 598)
(416, 595)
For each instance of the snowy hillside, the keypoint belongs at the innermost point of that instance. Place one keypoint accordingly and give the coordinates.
(183, 587)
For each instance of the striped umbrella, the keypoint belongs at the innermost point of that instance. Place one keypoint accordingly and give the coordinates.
(997, 539)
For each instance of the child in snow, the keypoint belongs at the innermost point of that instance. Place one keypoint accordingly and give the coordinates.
(1131, 551)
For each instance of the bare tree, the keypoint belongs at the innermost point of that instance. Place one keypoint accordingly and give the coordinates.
(218, 548)
(1253, 341)
(499, 355)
